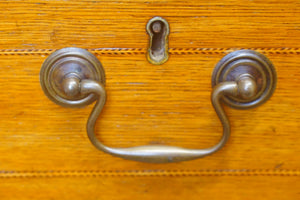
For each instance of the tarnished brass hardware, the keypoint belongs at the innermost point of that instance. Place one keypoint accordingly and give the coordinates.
(70, 62)
(257, 66)
(238, 79)
(158, 31)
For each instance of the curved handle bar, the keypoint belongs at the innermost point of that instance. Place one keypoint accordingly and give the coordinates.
(162, 153)
(68, 77)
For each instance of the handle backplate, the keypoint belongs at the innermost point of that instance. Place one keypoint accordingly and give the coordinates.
(69, 62)
(241, 62)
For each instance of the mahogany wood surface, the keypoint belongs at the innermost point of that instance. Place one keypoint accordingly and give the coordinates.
(44, 149)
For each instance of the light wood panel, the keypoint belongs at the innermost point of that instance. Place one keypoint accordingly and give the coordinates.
(44, 149)
(195, 187)
(147, 104)
(43, 24)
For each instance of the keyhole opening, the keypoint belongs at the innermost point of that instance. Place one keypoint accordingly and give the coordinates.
(158, 42)
(158, 29)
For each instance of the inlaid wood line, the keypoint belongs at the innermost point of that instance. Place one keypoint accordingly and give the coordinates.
(137, 173)
(136, 51)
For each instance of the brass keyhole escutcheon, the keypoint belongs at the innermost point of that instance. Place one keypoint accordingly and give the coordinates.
(158, 31)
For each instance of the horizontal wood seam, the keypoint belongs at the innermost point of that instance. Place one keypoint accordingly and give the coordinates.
(156, 173)
(136, 51)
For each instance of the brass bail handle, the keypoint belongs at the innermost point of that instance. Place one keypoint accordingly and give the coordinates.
(73, 77)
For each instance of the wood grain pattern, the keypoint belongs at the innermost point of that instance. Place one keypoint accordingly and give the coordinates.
(147, 104)
(39, 24)
(115, 188)
(44, 149)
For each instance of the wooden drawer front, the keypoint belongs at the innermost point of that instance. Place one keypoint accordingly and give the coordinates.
(44, 149)
(54, 24)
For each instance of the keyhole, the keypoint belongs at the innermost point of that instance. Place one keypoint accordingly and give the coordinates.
(158, 42)
(158, 48)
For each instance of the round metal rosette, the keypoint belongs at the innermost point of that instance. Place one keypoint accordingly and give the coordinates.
(240, 62)
(65, 62)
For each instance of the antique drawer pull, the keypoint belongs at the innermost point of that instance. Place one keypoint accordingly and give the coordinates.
(73, 77)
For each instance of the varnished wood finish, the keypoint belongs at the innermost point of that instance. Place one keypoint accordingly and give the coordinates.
(164, 188)
(38, 24)
(44, 149)
(147, 104)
